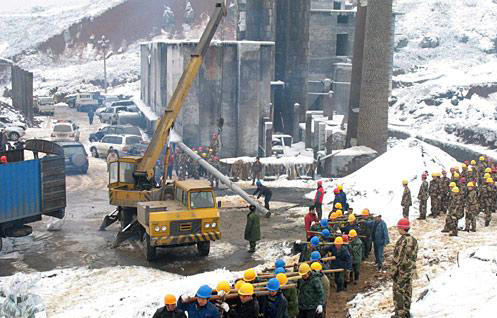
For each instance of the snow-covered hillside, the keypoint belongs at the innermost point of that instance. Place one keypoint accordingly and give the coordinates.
(445, 67)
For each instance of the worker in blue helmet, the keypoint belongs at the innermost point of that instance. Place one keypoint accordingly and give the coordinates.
(263, 191)
(326, 235)
(279, 270)
(279, 263)
(275, 304)
(199, 306)
(315, 256)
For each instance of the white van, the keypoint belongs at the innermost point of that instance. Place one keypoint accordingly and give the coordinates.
(85, 101)
(45, 105)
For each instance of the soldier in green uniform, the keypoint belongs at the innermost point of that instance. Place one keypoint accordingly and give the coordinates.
(472, 206)
(435, 196)
(453, 212)
(487, 195)
(404, 261)
(406, 201)
(252, 229)
(445, 191)
(423, 195)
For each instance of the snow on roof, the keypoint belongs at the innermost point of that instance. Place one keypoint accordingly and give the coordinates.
(378, 185)
(300, 159)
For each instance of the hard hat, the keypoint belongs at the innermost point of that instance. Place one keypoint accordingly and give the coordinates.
(336, 191)
(273, 285)
(211, 150)
(279, 263)
(352, 233)
(470, 169)
(455, 190)
(204, 155)
(204, 292)
(338, 206)
(325, 233)
(315, 241)
(339, 213)
(456, 175)
(3, 159)
(345, 238)
(473, 162)
(282, 279)
(249, 275)
(486, 175)
(304, 268)
(464, 165)
(170, 299)
(482, 158)
(338, 240)
(433, 174)
(340, 187)
(224, 286)
(323, 222)
(279, 270)
(333, 215)
(365, 212)
(246, 289)
(452, 184)
(315, 256)
(488, 170)
(351, 218)
(403, 224)
(239, 284)
(320, 183)
(490, 180)
(316, 266)
(404, 182)
(471, 184)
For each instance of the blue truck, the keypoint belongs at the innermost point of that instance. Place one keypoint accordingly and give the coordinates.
(31, 188)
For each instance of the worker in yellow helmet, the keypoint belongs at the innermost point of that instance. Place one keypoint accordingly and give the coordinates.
(472, 206)
(357, 251)
(406, 201)
(436, 191)
(487, 199)
(311, 292)
(246, 305)
(453, 215)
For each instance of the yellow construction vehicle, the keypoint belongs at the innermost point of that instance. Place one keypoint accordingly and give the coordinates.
(175, 213)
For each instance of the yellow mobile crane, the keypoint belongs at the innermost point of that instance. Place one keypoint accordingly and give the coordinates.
(174, 214)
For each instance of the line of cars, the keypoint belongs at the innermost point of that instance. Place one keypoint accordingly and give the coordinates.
(125, 139)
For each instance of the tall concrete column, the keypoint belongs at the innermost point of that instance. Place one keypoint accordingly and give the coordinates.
(260, 20)
(292, 60)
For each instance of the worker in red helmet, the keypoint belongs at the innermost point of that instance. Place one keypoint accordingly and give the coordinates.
(3, 160)
(318, 199)
(404, 260)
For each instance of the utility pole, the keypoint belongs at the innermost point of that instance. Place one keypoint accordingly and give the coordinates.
(104, 44)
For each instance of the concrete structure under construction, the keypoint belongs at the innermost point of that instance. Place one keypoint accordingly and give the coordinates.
(234, 83)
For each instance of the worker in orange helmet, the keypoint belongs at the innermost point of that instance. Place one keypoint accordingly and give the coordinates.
(169, 310)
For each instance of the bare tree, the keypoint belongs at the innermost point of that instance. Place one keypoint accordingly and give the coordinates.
(355, 84)
(372, 129)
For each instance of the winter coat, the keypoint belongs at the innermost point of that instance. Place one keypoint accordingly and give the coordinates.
(346, 229)
(250, 309)
(404, 256)
(308, 219)
(356, 246)
(318, 199)
(195, 311)
(257, 167)
(163, 313)
(253, 227)
(380, 233)
(406, 198)
(311, 292)
(263, 190)
(343, 259)
(423, 193)
(326, 285)
(365, 229)
(342, 199)
(293, 302)
(274, 307)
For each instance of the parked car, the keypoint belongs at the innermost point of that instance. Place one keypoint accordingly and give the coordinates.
(109, 99)
(120, 143)
(10, 122)
(137, 149)
(280, 141)
(115, 130)
(75, 157)
(13, 132)
(71, 100)
(44, 105)
(85, 102)
(111, 115)
(122, 103)
(65, 131)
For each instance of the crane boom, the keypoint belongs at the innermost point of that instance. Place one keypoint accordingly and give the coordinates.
(145, 168)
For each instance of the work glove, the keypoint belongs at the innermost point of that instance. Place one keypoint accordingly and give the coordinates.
(225, 307)
(319, 310)
(221, 293)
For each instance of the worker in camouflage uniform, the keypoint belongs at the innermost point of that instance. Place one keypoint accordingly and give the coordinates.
(487, 199)
(423, 195)
(453, 214)
(482, 165)
(472, 207)
(406, 199)
(445, 191)
(404, 260)
(435, 195)
(464, 171)
(471, 176)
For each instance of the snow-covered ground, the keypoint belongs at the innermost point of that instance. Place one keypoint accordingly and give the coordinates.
(444, 47)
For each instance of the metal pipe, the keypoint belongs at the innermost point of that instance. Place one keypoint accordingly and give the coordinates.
(225, 180)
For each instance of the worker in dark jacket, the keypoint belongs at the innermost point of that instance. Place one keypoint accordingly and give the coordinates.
(343, 261)
(264, 191)
(311, 293)
(170, 309)
(246, 306)
(275, 304)
(200, 307)
(318, 199)
(340, 197)
(252, 229)
(290, 294)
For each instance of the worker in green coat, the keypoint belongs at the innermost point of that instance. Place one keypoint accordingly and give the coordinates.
(252, 229)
